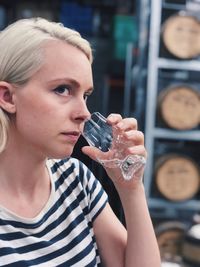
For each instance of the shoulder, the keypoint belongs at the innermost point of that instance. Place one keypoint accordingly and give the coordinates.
(74, 175)
(69, 167)
(56, 164)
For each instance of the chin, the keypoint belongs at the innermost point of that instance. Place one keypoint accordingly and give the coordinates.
(61, 154)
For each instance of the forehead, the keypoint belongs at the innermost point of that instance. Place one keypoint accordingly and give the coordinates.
(65, 60)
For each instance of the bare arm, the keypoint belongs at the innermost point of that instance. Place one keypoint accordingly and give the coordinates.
(142, 249)
(137, 245)
(111, 237)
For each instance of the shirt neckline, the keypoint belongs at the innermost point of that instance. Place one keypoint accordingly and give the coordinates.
(10, 215)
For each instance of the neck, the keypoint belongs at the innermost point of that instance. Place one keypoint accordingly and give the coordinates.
(24, 178)
(22, 170)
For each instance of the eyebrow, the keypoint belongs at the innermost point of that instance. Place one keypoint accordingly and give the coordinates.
(72, 81)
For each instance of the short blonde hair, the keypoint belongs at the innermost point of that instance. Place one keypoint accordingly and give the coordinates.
(21, 54)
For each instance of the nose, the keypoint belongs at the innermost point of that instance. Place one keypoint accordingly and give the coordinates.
(81, 111)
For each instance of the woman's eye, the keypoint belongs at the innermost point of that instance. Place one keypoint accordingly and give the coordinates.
(86, 97)
(87, 94)
(63, 90)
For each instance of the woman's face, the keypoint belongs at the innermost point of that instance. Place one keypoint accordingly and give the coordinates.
(52, 105)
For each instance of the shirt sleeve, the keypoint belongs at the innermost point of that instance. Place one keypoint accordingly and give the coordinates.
(97, 197)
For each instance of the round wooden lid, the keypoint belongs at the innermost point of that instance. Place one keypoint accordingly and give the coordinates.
(181, 36)
(191, 245)
(170, 235)
(180, 107)
(177, 178)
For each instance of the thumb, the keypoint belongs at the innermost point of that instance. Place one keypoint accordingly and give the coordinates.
(92, 152)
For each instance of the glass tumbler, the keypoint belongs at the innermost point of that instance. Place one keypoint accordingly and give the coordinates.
(100, 134)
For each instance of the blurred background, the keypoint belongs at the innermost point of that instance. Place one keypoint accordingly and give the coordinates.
(146, 65)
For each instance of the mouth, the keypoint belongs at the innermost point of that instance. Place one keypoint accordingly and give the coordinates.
(72, 136)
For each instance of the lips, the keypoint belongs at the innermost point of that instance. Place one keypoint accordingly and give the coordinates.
(71, 136)
(72, 133)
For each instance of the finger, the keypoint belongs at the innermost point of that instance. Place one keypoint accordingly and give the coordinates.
(137, 150)
(135, 137)
(114, 118)
(127, 124)
(94, 153)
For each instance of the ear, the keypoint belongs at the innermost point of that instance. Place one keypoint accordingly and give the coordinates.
(7, 97)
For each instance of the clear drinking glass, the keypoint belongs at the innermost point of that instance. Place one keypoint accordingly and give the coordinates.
(107, 138)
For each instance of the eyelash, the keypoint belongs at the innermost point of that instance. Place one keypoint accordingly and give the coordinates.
(63, 88)
(68, 88)
(86, 96)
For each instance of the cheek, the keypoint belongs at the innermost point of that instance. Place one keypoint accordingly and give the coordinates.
(28, 112)
(33, 116)
(43, 113)
(41, 118)
(30, 125)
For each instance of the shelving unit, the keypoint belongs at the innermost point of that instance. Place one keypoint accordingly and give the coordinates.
(153, 131)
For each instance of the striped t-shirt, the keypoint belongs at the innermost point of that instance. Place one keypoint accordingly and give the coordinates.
(61, 234)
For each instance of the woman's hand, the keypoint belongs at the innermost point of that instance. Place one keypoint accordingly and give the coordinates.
(133, 250)
(131, 143)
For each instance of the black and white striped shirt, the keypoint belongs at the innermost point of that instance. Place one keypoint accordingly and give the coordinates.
(61, 234)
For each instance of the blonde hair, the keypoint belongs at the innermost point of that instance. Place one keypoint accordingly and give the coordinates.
(21, 54)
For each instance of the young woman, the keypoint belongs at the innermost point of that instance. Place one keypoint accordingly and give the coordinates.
(53, 211)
